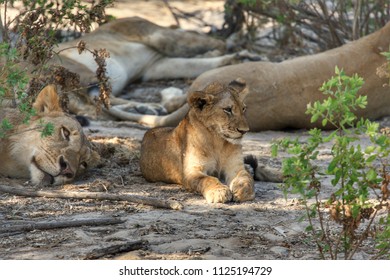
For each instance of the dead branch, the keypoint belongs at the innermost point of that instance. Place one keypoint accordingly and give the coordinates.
(19, 190)
(116, 249)
(172, 12)
(30, 226)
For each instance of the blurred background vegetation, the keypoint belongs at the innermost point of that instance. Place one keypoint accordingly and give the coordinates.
(303, 26)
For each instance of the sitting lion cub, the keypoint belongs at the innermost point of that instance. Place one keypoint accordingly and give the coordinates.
(54, 159)
(204, 146)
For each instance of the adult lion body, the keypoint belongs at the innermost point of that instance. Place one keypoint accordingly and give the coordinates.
(55, 159)
(280, 92)
(141, 50)
(205, 146)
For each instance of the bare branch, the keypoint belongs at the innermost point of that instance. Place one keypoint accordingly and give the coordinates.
(116, 249)
(47, 225)
(22, 191)
(172, 12)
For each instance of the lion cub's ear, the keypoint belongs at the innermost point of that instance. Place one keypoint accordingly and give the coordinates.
(47, 101)
(238, 86)
(199, 99)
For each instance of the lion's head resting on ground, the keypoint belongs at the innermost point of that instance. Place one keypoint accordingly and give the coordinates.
(55, 159)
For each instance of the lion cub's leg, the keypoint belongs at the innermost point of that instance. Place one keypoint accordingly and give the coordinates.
(239, 180)
(210, 187)
(196, 178)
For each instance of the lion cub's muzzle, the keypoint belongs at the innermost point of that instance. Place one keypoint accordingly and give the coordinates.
(235, 136)
(238, 132)
(242, 131)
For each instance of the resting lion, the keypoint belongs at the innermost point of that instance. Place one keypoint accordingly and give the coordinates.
(141, 50)
(55, 159)
(280, 92)
(206, 143)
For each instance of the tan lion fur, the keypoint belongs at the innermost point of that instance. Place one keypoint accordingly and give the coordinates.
(280, 92)
(54, 159)
(141, 50)
(204, 146)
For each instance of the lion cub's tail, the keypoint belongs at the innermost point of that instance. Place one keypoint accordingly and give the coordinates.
(262, 172)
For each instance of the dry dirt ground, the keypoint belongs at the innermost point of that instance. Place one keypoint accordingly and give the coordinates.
(266, 228)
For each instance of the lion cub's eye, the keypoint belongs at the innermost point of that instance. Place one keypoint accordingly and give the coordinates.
(228, 110)
(65, 133)
(244, 109)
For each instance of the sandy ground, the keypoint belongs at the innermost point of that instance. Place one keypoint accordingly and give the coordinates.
(211, 12)
(266, 228)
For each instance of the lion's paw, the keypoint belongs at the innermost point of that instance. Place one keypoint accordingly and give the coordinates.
(218, 194)
(244, 56)
(243, 192)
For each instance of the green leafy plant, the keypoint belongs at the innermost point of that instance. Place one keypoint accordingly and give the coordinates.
(4, 127)
(14, 81)
(358, 174)
(384, 236)
(29, 38)
(384, 70)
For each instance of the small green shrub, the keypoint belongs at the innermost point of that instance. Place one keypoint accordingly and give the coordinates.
(14, 81)
(357, 173)
(36, 25)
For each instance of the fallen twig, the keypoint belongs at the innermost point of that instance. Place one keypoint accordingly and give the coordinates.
(116, 249)
(30, 226)
(172, 12)
(18, 190)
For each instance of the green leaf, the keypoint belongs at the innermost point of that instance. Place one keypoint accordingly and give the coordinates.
(386, 54)
(369, 149)
(330, 136)
(371, 158)
(47, 130)
(314, 118)
(372, 175)
(332, 166)
(6, 125)
(337, 177)
(355, 211)
(309, 228)
(274, 150)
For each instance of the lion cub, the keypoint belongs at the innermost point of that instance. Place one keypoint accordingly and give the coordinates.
(204, 147)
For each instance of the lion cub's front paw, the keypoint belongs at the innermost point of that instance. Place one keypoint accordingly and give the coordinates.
(243, 191)
(217, 194)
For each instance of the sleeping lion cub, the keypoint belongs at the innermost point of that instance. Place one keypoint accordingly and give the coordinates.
(53, 160)
(205, 147)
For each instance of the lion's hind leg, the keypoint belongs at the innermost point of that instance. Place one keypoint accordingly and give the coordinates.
(242, 187)
(239, 180)
(182, 68)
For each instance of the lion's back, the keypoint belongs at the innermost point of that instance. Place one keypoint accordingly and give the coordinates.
(160, 156)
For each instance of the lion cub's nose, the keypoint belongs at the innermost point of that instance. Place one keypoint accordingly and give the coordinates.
(242, 130)
(65, 169)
